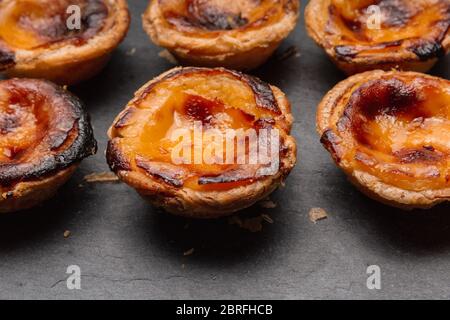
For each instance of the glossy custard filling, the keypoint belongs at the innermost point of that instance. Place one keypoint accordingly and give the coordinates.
(31, 24)
(23, 122)
(418, 25)
(35, 124)
(218, 101)
(398, 130)
(206, 16)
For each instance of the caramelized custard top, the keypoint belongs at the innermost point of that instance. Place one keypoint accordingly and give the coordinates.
(419, 26)
(42, 128)
(396, 128)
(142, 138)
(209, 16)
(31, 24)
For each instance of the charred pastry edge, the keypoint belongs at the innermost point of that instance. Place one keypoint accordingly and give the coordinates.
(65, 62)
(421, 56)
(369, 184)
(241, 50)
(7, 58)
(28, 194)
(201, 204)
(83, 146)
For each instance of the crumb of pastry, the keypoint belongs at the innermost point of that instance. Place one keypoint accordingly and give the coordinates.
(292, 51)
(317, 214)
(267, 218)
(67, 234)
(267, 204)
(189, 252)
(101, 177)
(131, 52)
(165, 54)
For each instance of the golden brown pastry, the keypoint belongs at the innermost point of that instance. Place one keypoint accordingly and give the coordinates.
(45, 39)
(381, 34)
(238, 34)
(183, 141)
(44, 134)
(390, 132)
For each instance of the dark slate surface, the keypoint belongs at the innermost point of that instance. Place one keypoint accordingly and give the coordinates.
(126, 249)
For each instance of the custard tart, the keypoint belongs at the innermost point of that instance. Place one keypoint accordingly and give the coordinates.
(65, 41)
(390, 133)
(44, 134)
(238, 34)
(365, 35)
(202, 142)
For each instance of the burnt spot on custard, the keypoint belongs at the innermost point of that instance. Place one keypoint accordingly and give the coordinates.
(390, 97)
(396, 13)
(209, 17)
(64, 136)
(205, 16)
(94, 15)
(381, 97)
(200, 109)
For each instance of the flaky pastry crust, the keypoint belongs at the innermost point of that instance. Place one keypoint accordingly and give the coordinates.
(389, 132)
(238, 35)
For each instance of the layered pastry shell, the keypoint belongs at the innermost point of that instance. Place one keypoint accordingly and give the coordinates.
(390, 132)
(140, 153)
(43, 39)
(363, 35)
(44, 134)
(238, 35)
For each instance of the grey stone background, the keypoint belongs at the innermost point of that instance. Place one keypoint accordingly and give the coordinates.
(128, 250)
